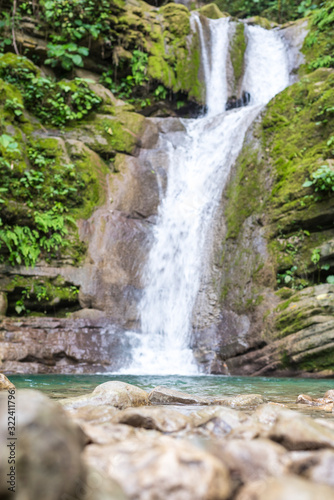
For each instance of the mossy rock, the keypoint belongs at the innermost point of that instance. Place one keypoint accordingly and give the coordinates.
(262, 22)
(237, 51)
(10, 62)
(159, 69)
(212, 11)
(176, 17)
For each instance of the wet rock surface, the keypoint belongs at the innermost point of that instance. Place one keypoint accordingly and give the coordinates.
(115, 394)
(117, 444)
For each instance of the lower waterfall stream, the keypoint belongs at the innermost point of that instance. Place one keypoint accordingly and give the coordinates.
(198, 171)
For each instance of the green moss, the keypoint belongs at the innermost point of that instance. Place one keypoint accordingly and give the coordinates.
(160, 70)
(245, 191)
(263, 22)
(298, 145)
(237, 51)
(10, 62)
(40, 296)
(212, 11)
(318, 361)
(176, 17)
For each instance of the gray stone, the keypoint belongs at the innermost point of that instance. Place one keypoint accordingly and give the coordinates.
(301, 433)
(161, 419)
(48, 450)
(151, 468)
(164, 395)
(252, 460)
(117, 394)
(289, 488)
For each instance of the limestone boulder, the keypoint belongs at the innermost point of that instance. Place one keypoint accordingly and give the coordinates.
(161, 419)
(48, 449)
(157, 469)
(134, 187)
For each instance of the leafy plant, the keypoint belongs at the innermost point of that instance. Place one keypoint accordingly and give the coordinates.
(15, 106)
(160, 92)
(20, 307)
(54, 103)
(9, 144)
(321, 180)
(67, 55)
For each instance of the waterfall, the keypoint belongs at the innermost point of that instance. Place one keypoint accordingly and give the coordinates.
(198, 171)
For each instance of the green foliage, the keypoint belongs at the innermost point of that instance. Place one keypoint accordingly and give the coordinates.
(15, 106)
(319, 44)
(321, 180)
(129, 84)
(8, 144)
(67, 55)
(78, 19)
(276, 10)
(5, 25)
(315, 257)
(54, 103)
(160, 92)
(291, 279)
(47, 194)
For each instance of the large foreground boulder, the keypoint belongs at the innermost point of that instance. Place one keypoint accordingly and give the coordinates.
(151, 468)
(47, 450)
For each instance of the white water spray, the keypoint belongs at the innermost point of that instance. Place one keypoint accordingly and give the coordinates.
(198, 171)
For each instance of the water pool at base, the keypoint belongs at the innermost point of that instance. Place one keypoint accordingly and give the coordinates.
(278, 390)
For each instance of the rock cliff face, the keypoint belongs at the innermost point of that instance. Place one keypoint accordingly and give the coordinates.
(266, 300)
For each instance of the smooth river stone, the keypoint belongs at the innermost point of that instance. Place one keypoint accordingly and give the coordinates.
(109, 433)
(250, 460)
(151, 468)
(226, 418)
(239, 401)
(268, 413)
(315, 465)
(161, 419)
(92, 414)
(289, 488)
(164, 395)
(300, 433)
(118, 394)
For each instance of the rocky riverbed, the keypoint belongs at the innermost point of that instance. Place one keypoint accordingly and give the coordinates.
(121, 442)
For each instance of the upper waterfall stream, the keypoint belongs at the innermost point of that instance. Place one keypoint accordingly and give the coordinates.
(198, 170)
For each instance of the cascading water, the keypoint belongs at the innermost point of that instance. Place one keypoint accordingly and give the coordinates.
(198, 171)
